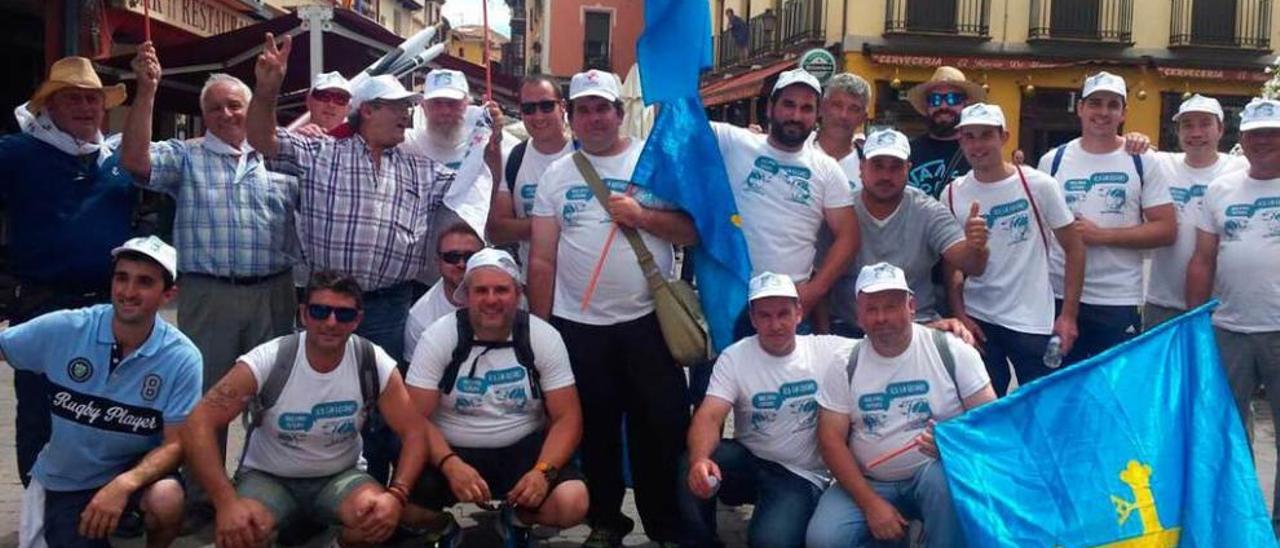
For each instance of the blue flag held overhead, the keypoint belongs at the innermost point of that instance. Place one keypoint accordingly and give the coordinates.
(681, 162)
(1139, 446)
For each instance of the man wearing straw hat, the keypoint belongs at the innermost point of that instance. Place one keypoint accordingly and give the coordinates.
(875, 422)
(69, 204)
(935, 156)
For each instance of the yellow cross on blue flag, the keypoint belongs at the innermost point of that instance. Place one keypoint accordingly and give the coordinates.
(1139, 446)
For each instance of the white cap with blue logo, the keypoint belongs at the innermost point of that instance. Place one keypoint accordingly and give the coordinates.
(1260, 114)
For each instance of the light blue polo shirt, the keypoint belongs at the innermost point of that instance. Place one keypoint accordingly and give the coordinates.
(103, 421)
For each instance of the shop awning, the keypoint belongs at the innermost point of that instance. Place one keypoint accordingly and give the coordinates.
(351, 43)
(742, 86)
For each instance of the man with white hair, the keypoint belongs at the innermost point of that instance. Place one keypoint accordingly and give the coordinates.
(1200, 128)
(233, 228)
(1237, 261)
(899, 380)
(366, 207)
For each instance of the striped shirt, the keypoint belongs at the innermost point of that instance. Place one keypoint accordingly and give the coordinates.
(234, 217)
(370, 225)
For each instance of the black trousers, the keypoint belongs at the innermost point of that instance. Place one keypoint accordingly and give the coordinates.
(625, 370)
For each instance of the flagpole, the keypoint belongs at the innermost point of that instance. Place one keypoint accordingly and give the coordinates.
(146, 20)
(488, 68)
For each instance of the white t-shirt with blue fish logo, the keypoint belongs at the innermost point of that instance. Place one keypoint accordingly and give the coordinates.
(1245, 215)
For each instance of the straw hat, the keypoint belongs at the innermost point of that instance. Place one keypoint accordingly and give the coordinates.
(74, 72)
(950, 76)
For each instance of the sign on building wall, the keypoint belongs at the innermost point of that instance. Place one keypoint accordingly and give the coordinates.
(199, 17)
(820, 63)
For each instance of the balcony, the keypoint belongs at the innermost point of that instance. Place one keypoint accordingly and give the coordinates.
(1108, 21)
(963, 18)
(798, 24)
(1232, 24)
(595, 55)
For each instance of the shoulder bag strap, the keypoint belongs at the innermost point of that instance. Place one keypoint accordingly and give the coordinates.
(647, 265)
(1044, 238)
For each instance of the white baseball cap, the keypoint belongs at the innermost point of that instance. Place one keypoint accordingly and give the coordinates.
(595, 82)
(488, 258)
(887, 142)
(982, 114)
(1104, 81)
(881, 277)
(1260, 114)
(331, 80)
(446, 84)
(154, 248)
(797, 76)
(1200, 103)
(385, 87)
(769, 284)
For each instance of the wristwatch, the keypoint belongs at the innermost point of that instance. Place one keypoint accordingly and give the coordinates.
(548, 470)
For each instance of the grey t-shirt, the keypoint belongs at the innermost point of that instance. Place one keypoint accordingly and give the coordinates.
(912, 238)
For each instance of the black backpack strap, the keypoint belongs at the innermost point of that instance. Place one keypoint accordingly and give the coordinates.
(281, 369)
(512, 169)
(862, 156)
(523, 348)
(948, 358)
(460, 352)
(1137, 164)
(852, 366)
(1058, 153)
(367, 365)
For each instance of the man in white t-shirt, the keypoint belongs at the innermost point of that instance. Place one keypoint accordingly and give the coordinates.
(1009, 307)
(597, 297)
(1237, 261)
(456, 244)
(769, 381)
(306, 410)
(898, 382)
(543, 110)
(1122, 206)
(786, 190)
(504, 417)
(841, 115)
(1200, 127)
(903, 226)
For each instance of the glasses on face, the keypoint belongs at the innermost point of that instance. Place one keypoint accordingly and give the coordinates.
(395, 106)
(951, 98)
(456, 257)
(335, 97)
(321, 312)
(545, 106)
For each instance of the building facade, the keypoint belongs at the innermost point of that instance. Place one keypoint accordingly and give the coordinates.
(1031, 55)
(465, 42)
(563, 37)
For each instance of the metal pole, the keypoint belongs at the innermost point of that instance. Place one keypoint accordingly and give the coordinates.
(70, 28)
(488, 67)
(316, 19)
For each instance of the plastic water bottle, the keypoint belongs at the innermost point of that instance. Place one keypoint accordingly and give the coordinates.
(1053, 353)
(714, 482)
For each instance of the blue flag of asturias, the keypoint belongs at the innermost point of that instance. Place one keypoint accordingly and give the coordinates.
(1139, 446)
(681, 162)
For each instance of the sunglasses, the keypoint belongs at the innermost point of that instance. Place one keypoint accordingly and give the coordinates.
(544, 106)
(951, 98)
(335, 97)
(321, 312)
(456, 257)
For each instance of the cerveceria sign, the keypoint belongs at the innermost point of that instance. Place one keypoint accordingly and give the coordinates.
(199, 17)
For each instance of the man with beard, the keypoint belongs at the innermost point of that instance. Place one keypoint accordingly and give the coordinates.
(786, 190)
(935, 156)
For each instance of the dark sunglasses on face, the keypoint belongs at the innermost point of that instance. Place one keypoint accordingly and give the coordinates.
(337, 98)
(951, 98)
(544, 106)
(321, 312)
(456, 257)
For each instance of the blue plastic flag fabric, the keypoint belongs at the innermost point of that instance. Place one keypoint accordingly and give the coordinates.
(1139, 446)
(681, 161)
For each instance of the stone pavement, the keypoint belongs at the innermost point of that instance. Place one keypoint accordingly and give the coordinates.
(477, 523)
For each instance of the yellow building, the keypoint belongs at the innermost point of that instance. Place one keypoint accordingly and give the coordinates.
(403, 17)
(1032, 55)
(465, 43)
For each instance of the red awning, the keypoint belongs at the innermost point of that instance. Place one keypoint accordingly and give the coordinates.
(351, 43)
(742, 86)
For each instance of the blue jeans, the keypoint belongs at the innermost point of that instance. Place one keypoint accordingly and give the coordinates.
(1101, 327)
(839, 522)
(385, 311)
(1024, 350)
(783, 500)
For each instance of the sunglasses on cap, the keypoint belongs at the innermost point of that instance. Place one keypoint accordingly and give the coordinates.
(335, 97)
(951, 98)
(456, 257)
(321, 312)
(544, 106)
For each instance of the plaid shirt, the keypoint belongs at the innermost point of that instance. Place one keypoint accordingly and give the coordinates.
(231, 219)
(372, 226)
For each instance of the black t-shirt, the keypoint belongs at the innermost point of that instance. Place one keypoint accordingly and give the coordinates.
(929, 160)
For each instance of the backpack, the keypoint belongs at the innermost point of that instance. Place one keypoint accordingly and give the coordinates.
(1061, 150)
(519, 343)
(286, 356)
(512, 169)
(939, 342)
